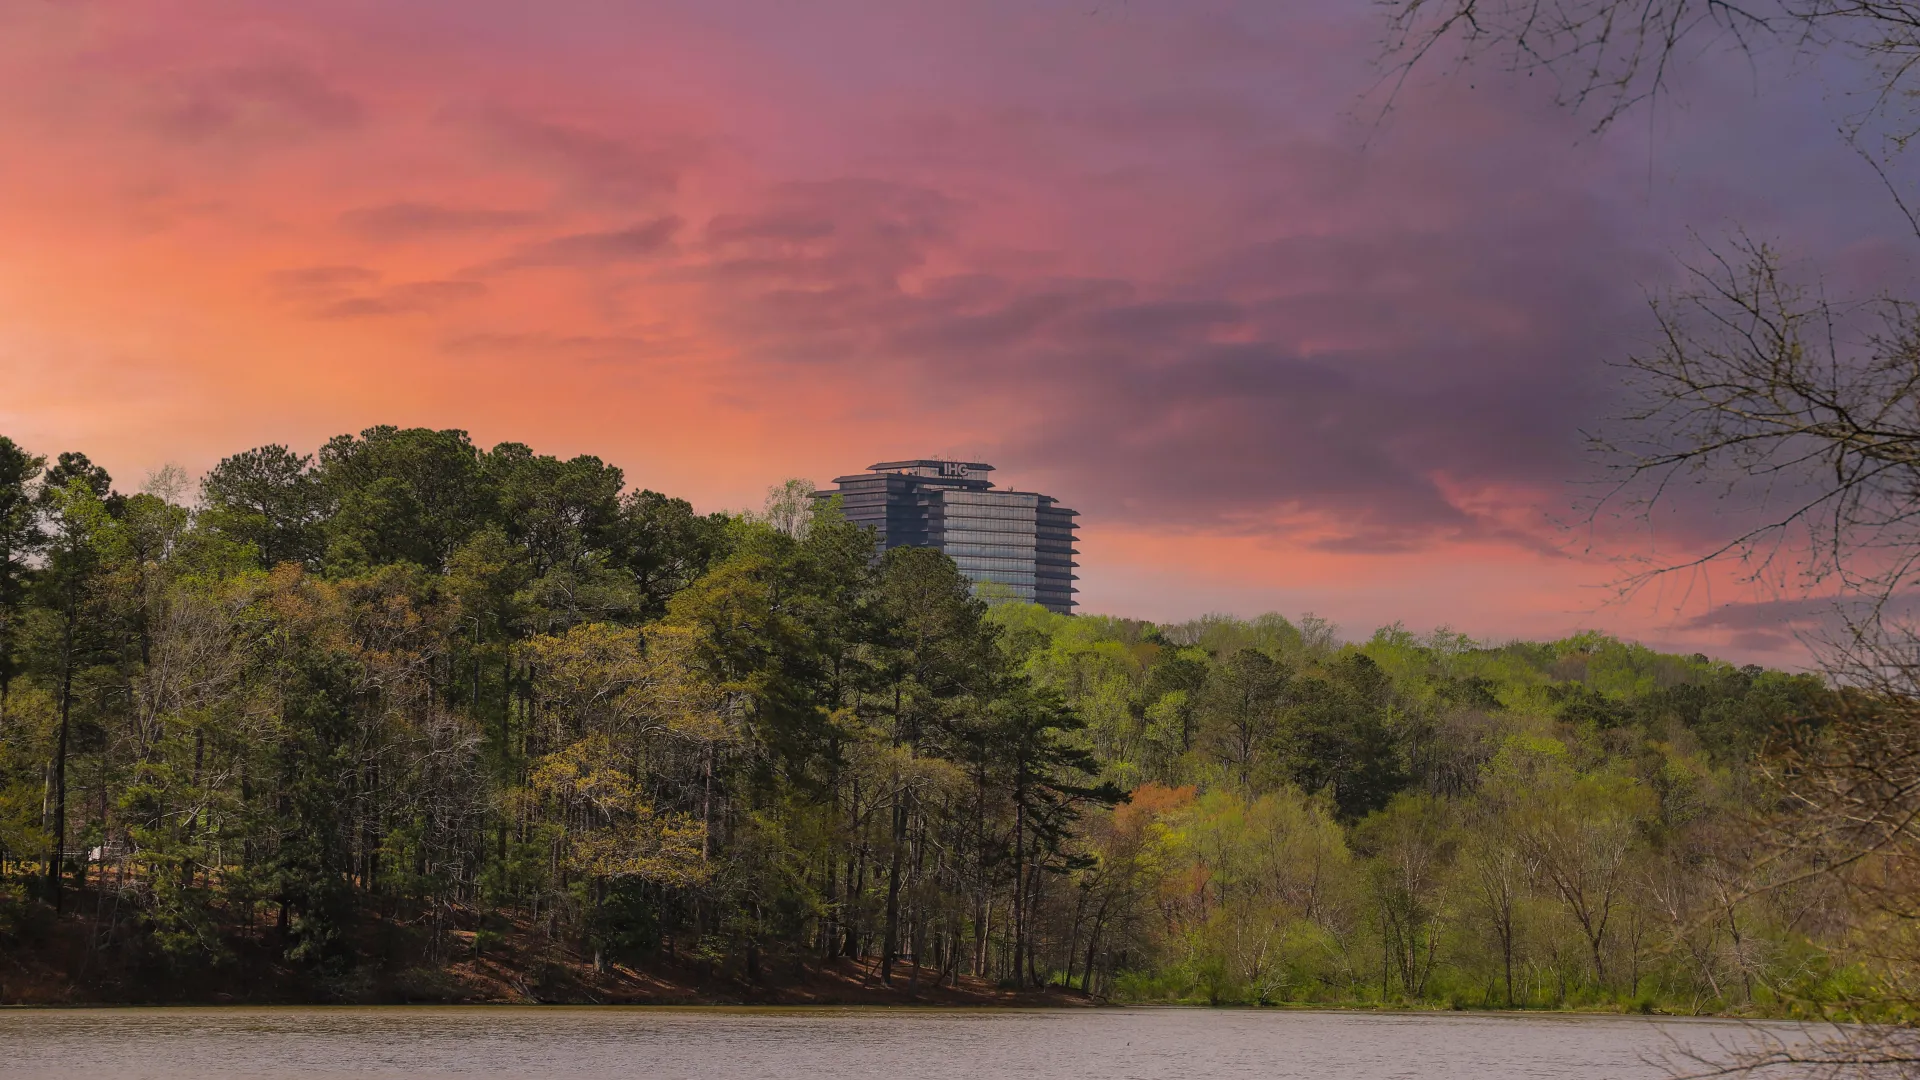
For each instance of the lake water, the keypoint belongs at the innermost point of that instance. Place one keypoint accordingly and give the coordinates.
(838, 1044)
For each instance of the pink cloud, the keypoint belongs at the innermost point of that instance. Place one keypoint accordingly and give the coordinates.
(1159, 261)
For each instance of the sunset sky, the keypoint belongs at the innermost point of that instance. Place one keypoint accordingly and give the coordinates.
(1171, 261)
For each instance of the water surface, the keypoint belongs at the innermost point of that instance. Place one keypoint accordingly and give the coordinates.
(481, 1043)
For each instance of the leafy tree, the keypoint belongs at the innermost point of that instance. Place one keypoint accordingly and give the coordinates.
(412, 689)
(559, 511)
(1242, 704)
(1047, 776)
(1411, 846)
(73, 465)
(1337, 738)
(269, 498)
(402, 495)
(937, 652)
(21, 538)
(664, 545)
(81, 532)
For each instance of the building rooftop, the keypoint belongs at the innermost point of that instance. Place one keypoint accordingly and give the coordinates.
(971, 475)
(974, 470)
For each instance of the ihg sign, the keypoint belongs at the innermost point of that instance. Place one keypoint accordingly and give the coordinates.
(954, 468)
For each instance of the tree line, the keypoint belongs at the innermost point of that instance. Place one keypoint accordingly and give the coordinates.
(407, 686)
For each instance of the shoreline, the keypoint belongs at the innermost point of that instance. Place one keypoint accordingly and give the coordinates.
(58, 968)
(917, 1007)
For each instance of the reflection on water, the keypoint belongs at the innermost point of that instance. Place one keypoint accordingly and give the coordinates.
(841, 1044)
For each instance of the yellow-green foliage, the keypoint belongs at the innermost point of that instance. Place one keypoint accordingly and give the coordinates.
(411, 681)
(1549, 836)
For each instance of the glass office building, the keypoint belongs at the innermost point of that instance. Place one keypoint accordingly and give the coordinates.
(1018, 539)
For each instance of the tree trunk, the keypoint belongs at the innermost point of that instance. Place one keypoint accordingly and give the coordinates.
(1506, 958)
(60, 766)
(1071, 953)
(890, 940)
(1019, 884)
(1093, 941)
(706, 806)
(1033, 939)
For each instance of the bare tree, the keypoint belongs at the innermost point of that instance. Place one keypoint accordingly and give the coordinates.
(1803, 410)
(168, 483)
(1802, 414)
(790, 506)
(1864, 1052)
(1609, 56)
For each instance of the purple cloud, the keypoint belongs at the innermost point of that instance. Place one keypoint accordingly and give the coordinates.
(638, 241)
(608, 167)
(413, 220)
(258, 99)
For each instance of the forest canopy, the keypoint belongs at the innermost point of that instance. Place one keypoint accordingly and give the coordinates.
(365, 708)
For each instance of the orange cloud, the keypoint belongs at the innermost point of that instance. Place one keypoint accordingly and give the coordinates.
(1139, 262)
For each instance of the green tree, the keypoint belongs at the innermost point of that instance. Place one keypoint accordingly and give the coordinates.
(1409, 846)
(664, 545)
(1048, 780)
(561, 512)
(269, 498)
(22, 536)
(937, 653)
(1242, 705)
(81, 531)
(1337, 738)
(403, 495)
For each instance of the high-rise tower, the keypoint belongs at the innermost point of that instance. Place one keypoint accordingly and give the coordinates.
(1018, 539)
